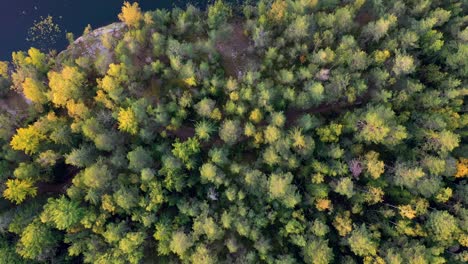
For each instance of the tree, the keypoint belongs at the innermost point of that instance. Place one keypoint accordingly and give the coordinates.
(210, 173)
(180, 243)
(280, 188)
(203, 256)
(377, 29)
(81, 157)
(345, 187)
(317, 252)
(230, 131)
(37, 241)
(28, 140)
(17, 190)
(299, 28)
(139, 159)
(131, 14)
(404, 64)
(442, 226)
(374, 166)
(26, 171)
(205, 107)
(361, 242)
(218, 14)
(66, 85)
(128, 121)
(97, 175)
(35, 91)
(204, 129)
(5, 79)
(378, 125)
(330, 133)
(62, 213)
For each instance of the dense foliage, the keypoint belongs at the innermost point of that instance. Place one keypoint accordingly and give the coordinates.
(273, 132)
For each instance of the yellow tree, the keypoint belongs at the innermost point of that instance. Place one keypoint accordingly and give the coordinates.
(34, 90)
(17, 190)
(66, 85)
(27, 139)
(131, 14)
(128, 121)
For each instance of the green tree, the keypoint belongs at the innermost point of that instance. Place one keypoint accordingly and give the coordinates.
(442, 227)
(218, 14)
(362, 243)
(317, 251)
(180, 243)
(97, 175)
(230, 131)
(139, 159)
(37, 241)
(62, 213)
(280, 188)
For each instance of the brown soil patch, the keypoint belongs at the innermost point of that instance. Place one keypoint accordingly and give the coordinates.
(15, 104)
(236, 51)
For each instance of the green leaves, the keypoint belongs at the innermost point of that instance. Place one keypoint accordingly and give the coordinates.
(362, 243)
(305, 132)
(281, 189)
(62, 212)
(186, 151)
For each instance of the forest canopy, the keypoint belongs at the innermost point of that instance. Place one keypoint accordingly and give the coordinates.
(275, 131)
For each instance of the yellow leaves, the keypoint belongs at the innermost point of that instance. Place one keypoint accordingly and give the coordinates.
(330, 133)
(343, 223)
(18, 190)
(256, 115)
(36, 58)
(373, 260)
(318, 178)
(27, 140)
(34, 91)
(66, 85)
(234, 96)
(272, 134)
(407, 211)
(131, 14)
(107, 203)
(4, 69)
(375, 195)
(258, 138)
(77, 109)
(374, 166)
(323, 204)
(463, 239)
(297, 138)
(128, 121)
(381, 56)
(444, 195)
(278, 10)
(191, 81)
(462, 168)
(216, 114)
(404, 227)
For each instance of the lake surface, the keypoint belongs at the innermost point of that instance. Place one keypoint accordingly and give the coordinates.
(18, 16)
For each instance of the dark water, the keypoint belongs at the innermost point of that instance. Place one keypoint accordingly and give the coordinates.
(17, 16)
